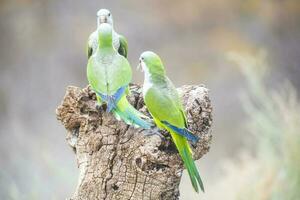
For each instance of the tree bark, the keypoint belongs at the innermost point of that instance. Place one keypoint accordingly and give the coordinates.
(117, 161)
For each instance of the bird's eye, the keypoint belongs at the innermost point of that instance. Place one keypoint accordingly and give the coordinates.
(109, 14)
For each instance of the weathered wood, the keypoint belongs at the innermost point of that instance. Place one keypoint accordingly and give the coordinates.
(117, 161)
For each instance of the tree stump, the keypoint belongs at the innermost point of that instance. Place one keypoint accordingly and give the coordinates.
(118, 161)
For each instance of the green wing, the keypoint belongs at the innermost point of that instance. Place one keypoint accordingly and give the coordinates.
(96, 75)
(176, 98)
(123, 49)
(119, 73)
(109, 75)
(163, 105)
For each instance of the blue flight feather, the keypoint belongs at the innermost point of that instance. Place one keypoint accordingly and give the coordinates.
(183, 132)
(111, 104)
(117, 96)
(112, 100)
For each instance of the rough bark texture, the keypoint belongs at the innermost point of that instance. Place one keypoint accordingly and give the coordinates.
(117, 161)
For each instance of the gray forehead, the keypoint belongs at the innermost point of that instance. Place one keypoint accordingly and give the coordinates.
(103, 12)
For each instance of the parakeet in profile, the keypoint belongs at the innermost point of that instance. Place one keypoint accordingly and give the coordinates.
(164, 104)
(109, 75)
(119, 41)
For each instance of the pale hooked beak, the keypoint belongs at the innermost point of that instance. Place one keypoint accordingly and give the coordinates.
(139, 67)
(103, 19)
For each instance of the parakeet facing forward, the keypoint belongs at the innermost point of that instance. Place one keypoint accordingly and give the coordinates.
(109, 75)
(163, 102)
(119, 41)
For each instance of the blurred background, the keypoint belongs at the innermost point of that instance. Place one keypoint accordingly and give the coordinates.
(247, 52)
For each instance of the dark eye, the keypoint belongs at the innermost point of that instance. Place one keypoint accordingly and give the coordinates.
(142, 58)
(109, 14)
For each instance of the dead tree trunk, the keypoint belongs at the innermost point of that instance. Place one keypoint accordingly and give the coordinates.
(117, 161)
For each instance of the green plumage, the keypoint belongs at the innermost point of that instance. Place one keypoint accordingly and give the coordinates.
(109, 75)
(108, 71)
(164, 104)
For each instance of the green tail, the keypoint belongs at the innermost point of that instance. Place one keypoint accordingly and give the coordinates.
(186, 155)
(130, 115)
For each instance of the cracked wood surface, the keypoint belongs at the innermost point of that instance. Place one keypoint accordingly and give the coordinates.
(117, 161)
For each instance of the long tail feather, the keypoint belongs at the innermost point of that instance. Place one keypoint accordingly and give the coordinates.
(186, 155)
(130, 115)
(193, 172)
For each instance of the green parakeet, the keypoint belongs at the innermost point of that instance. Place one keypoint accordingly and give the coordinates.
(109, 75)
(164, 104)
(119, 41)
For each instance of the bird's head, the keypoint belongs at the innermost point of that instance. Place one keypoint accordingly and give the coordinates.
(151, 63)
(104, 16)
(105, 35)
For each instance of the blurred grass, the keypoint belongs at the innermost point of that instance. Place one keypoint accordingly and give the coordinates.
(274, 121)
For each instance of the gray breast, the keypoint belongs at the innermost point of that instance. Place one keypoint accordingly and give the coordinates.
(107, 60)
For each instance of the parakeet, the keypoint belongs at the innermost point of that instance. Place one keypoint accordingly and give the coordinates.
(164, 104)
(109, 75)
(119, 41)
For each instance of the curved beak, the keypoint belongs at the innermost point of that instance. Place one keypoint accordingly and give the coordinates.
(103, 19)
(139, 67)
